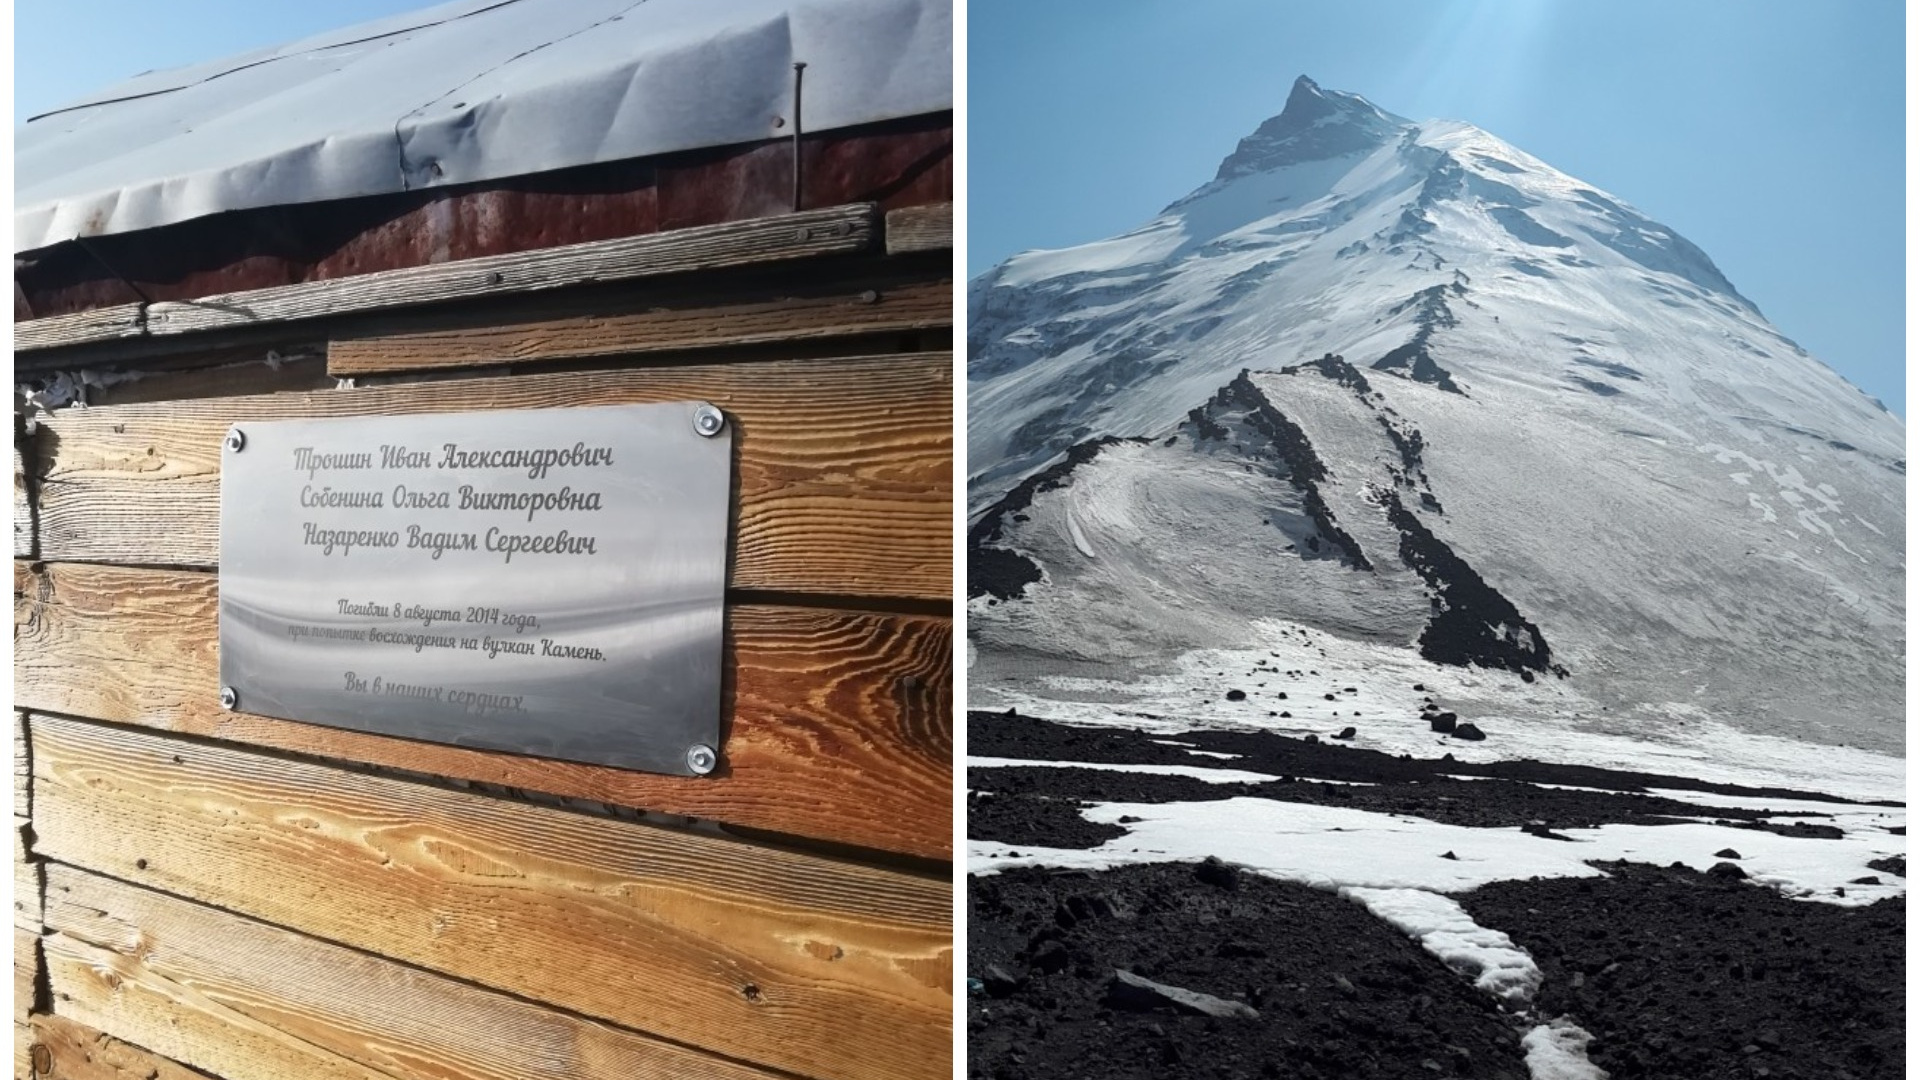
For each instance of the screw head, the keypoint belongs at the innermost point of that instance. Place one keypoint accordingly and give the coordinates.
(701, 759)
(871, 296)
(229, 700)
(803, 234)
(708, 420)
(236, 440)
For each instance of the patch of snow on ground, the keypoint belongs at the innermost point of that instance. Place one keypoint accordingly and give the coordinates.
(1333, 847)
(1490, 958)
(1558, 1051)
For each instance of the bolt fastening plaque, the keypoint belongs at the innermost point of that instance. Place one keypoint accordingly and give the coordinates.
(546, 582)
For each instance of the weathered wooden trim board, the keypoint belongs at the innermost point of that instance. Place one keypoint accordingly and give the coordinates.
(74, 1051)
(817, 966)
(844, 475)
(840, 728)
(22, 507)
(920, 228)
(654, 321)
(808, 233)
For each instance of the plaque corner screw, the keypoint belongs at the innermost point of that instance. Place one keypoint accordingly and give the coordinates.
(701, 759)
(708, 420)
(236, 440)
(229, 700)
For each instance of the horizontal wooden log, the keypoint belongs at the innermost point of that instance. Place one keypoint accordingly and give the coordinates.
(760, 954)
(920, 228)
(836, 230)
(844, 473)
(652, 322)
(71, 1050)
(401, 1021)
(841, 726)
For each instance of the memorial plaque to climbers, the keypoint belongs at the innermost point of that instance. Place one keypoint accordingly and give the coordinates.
(547, 582)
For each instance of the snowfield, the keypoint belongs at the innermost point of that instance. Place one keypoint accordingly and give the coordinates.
(1692, 511)
(1391, 419)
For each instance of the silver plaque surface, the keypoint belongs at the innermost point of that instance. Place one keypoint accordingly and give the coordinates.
(546, 582)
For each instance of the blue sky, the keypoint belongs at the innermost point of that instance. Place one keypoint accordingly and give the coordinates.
(1770, 134)
(65, 48)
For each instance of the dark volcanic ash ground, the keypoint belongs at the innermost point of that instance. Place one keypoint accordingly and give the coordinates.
(1182, 968)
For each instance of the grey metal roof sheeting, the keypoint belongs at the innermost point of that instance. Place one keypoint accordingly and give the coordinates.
(467, 91)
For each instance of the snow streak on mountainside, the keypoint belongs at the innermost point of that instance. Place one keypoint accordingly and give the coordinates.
(1408, 385)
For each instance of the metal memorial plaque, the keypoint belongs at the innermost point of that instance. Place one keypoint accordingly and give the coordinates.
(547, 582)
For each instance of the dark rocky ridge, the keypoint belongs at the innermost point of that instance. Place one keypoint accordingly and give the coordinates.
(1415, 357)
(1303, 467)
(1472, 622)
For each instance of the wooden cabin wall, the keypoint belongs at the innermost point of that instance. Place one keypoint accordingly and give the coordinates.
(210, 894)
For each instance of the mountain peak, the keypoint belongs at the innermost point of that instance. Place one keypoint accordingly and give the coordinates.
(1315, 125)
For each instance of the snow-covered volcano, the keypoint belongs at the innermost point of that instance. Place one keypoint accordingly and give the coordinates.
(1387, 395)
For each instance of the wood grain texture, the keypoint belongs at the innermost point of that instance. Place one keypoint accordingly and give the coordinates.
(28, 882)
(811, 233)
(98, 988)
(406, 1023)
(75, 1051)
(22, 508)
(26, 969)
(826, 968)
(841, 727)
(920, 228)
(645, 323)
(23, 1043)
(22, 768)
(844, 467)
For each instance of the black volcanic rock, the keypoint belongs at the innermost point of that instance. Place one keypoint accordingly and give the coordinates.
(1280, 949)
(1676, 973)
